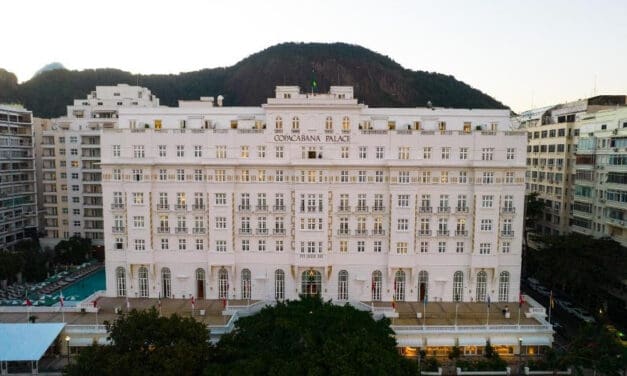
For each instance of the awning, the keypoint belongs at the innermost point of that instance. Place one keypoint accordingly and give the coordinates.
(409, 342)
(86, 342)
(472, 341)
(437, 341)
(504, 341)
(27, 342)
(536, 341)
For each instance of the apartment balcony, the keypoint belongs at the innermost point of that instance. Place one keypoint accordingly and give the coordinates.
(426, 209)
(378, 209)
(243, 208)
(361, 209)
(507, 234)
(197, 207)
(361, 232)
(163, 207)
(378, 232)
(462, 209)
(261, 231)
(343, 232)
(444, 209)
(245, 231)
(163, 230)
(462, 233)
(180, 207)
(424, 232)
(117, 206)
(278, 231)
(443, 232)
(198, 230)
(278, 208)
(508, 210)
(117, 230)
(181, 230)
(344, 209)
(261, 208)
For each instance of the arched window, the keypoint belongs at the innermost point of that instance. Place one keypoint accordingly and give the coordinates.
(504, 287)
(246, 284)
(279, 284)
(482, 284)
(423, 285)
(120, 279)
(346, 124)
(458, 286)
(376, 285)
(295, 123)
(399, 286)
(311, 282)
(342, 285)
(328, 124)
(223, 284)
(142, 275)
(278, 123)
(166, 283)
(200, 283)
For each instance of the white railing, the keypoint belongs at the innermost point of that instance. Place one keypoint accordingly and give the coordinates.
(247, 309)
(528, 372)
(507, 371)
(405, 329)
(85, 329)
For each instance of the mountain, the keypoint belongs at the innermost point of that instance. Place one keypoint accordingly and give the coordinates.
(378, 81)
(48, 67)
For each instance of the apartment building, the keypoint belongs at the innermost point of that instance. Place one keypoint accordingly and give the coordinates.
(313, 194)
(70, 161)
(18, 197)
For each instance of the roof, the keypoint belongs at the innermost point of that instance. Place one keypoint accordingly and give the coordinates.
(27, 342)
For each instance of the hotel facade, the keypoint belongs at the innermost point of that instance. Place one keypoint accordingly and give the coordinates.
(313, 194)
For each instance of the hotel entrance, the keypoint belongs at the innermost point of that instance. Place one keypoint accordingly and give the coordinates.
(311, 282)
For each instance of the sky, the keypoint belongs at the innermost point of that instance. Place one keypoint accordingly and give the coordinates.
(525, 53)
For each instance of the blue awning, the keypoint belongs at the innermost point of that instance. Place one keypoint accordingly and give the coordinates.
(27, 342)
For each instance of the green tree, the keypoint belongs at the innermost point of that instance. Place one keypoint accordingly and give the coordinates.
(310, 337)
(145, 344)
(74, 251)
(595, 348)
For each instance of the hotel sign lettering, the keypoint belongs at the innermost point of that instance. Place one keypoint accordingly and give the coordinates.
(329, 138)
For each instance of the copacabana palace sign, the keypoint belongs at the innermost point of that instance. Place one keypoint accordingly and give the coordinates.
(311, 138)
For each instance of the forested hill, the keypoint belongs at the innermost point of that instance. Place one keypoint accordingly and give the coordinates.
(378, 81)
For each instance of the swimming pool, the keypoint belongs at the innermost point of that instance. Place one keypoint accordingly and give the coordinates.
(81, 289)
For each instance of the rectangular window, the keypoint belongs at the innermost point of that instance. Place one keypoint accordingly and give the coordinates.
(221, 152)
(245, 245)
(403, 152)
(261, 151)
(424, 247)
(401, 248)
(220, 245)
(116, 150)
(182, 244)
(361, 246)
(164, 244)
(402, 224)
(162, 151)
(403, 177)
(403, 201)
(378, 176)
(197, 151)
(180, 151)
(441, 247)
(278, 246)
(488, 178)
(138, 151)
(380, 151)
(197, 175)
(344, 152)
(220, 199)
(220, 223)
(486, 225)
(363, 152)
(459, 248)
(200, 244)
(138, 221)
(487, 201)
(138, 198)
(180, 174)
(279, 152)
(446, 153)
(343, 246)
(511, 152)
(463, 153)
(463, 177)
(377, 246)
(426, 153)
(140, 245)
(487, 154)
(484, 248)
(506, 247)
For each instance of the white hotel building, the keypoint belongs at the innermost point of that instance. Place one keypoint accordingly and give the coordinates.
(313, 194)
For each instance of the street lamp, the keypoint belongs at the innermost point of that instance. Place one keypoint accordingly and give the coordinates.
(520, 363)
(67, 341)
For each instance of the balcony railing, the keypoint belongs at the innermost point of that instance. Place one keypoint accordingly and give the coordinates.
(163, 206)
(117, 206)
(245, 231)
(378, 208)
(424, 232)
(117, 230)
(379, 232)
(198, 207)
(462, 209)
(163, 230)
(344, 209)
(262, 231)
(278, 208)
(199, 230)
(361, 209)
(443, 232)
(180, 207)
(243, 208)
(461, 233)
(444, 209)
(507, 234)
(508, 210)
(361, 232)
(181, 230)
(343, 232)
(261, 208)
(278, 231)
(426, 209)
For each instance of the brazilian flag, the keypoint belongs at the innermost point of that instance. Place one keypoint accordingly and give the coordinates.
(314, 82)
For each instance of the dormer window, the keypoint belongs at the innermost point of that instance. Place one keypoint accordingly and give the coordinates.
(295, 123)
(278, 124)
(442, 125)
(416, 125)
(467, 127)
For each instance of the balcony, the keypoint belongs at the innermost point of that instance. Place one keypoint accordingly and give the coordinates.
(378, 232)
(361, 232)
(361, 209)
(507, 233)
(508, 210)
(461, 233)
(261, 208)
(117, 230)
(163, 230)
(261, 231)
(117, 206)
(443, 232)
(462, 209)
(378, 209)
(181, 230)
(444, 209)
(343, 232)
(198, 230)
(344, 209)
(426, 209)
(198, 207)
(278, 231)
(278, 208)
(163, 207)
(424, 232)
(180, 207)
(244, 208)
(245, 231)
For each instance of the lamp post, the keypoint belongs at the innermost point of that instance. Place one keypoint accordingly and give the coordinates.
(67, 341)
(520, 363)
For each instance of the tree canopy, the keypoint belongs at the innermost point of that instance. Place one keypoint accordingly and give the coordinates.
(73, 251)
(310, 337)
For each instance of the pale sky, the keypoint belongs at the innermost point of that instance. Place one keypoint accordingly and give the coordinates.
(524, 53)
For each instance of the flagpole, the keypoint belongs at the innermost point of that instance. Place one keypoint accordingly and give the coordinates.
(456, 306)
(424, 311)
(519, 316)
(550, 305)
(487, 323)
